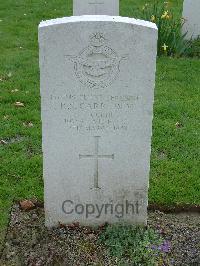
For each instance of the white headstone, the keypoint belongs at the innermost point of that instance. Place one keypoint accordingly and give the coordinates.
(97, 90)
(96, 7)
(191, 15)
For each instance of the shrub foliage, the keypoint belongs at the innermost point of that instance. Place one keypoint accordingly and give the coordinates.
(171, 39)
(133, 245)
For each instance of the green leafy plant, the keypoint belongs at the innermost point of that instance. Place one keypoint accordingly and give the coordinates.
(194, 50)
(133, 245)
(171, 40)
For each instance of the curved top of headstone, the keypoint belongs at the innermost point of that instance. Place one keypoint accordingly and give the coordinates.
(97, 18)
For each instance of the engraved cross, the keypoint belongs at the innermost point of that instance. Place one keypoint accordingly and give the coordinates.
(96, 5)
(96, 156)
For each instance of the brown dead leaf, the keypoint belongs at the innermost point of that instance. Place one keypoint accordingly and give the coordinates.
(26, 205)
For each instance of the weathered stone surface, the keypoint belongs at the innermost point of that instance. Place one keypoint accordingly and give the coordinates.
(191, 15)
(96, 7)
(97, 91)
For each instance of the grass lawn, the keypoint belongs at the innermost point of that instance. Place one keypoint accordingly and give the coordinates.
(175, 149)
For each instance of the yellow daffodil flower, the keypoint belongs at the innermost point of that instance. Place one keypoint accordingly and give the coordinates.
(153, 18)
(165, 15)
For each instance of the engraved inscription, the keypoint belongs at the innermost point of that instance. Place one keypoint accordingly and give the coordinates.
(96, 113)
(96, 6)
(96, 156)
(97, 65)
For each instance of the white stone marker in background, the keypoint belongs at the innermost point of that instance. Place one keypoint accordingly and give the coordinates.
(97, 91)
(191, 15)
(96, 7)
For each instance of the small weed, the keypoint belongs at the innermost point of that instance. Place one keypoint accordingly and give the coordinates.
(134, 245)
